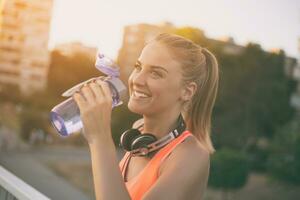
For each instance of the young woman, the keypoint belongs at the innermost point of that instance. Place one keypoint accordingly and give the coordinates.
(172, 76)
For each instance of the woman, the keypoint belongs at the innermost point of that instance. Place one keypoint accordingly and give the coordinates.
(172, 76)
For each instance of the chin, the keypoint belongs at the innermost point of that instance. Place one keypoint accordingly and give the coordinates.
(138, 109)
(134, 108)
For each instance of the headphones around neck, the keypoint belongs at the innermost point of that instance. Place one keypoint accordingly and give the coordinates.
(139, 144)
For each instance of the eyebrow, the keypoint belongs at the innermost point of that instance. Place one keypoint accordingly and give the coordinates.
(153, 66)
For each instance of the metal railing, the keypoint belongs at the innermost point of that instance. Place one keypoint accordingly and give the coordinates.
(11, 188)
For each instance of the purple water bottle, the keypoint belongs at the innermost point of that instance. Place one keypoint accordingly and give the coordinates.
(65, 117)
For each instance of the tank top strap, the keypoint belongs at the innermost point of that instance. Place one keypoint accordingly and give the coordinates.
(165, 151)
(159, 157)
(124, 162)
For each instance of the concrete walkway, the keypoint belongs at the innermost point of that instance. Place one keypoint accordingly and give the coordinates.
(33, 172)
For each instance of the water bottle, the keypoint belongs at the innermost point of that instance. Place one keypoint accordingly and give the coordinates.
(65, 117)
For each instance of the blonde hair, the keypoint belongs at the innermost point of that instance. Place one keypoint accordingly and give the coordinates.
(1, 10)
(199, 65)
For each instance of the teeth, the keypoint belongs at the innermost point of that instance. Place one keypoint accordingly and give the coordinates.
(139, 94)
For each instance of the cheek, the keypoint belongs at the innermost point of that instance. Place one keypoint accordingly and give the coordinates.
(171, 92)
(164, 90)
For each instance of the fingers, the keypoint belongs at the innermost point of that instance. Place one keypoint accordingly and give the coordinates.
(106, 90)
(93, 92)
(97, 90)
(88, 93)
(79, 99)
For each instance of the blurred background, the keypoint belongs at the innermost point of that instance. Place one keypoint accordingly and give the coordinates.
(48, 46)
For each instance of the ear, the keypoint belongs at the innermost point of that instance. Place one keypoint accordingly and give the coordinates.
(188, 91)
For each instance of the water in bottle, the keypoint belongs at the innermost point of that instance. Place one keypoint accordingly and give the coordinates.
(65, 117)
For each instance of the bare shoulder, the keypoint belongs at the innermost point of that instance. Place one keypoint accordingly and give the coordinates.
(189, 164)
(190, 152)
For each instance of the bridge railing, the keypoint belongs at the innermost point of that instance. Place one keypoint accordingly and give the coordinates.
(13, 188)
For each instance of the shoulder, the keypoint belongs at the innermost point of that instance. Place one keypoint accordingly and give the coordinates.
(189, 164)
(190, 154)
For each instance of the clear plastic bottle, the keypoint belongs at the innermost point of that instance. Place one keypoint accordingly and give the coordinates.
(65, 117)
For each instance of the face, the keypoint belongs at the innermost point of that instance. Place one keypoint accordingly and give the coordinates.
(155, 83)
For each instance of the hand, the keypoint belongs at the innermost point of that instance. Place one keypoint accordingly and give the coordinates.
(95, 104)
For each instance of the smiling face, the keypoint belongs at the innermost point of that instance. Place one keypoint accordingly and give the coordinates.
(155, 85)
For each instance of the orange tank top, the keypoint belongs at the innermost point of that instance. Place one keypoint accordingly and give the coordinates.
(141, 183)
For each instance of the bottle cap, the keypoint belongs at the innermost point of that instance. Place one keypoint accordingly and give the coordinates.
(107, 66)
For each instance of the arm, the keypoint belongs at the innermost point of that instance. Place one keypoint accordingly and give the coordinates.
(108, 181)
(95, 105)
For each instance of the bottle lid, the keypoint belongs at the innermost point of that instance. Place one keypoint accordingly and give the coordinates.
(107, 66)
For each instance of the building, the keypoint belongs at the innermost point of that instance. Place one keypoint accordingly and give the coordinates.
(69, 49)
(24, 33)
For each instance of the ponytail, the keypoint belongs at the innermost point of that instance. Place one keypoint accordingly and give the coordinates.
(199, 111)
(199, 65)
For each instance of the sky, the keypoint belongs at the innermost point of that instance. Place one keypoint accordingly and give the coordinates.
(100, 23)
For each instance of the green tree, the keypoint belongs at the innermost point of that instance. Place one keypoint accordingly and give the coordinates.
(30, 119)
(229, 171)
(253, 98)
(284, 162)
(66, 71)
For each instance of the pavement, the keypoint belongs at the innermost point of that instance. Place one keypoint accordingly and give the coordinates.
(40, 177)
(30, 166)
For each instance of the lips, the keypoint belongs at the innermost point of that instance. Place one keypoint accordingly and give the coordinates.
(140, 94)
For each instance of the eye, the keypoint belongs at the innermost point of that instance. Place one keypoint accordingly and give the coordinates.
(137, 67)
(156, 74)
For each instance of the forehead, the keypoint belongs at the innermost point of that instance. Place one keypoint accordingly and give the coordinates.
(156, 54)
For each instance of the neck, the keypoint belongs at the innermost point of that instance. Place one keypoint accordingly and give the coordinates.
(160, 125)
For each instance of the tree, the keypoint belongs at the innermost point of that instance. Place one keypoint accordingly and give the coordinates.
(67, 71)
(229, 170)
(253, 97)
(284, 162)
(194, 34)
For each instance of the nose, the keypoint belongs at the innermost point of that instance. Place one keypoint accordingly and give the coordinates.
(138, 78)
